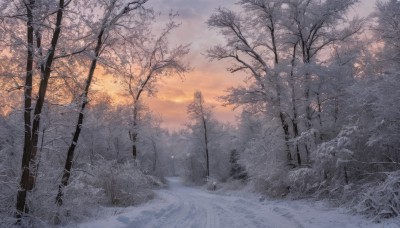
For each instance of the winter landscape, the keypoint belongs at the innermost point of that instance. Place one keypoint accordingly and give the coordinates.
(200, 113)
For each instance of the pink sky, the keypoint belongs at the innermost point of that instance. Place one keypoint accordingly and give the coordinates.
(209, 77)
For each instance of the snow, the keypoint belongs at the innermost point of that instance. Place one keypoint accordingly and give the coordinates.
(190, 207)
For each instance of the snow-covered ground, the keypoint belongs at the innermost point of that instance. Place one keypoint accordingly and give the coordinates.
(188, 207)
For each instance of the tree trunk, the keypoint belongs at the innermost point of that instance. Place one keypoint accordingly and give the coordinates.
(294, 107)
(133, 136)
(307, 95)
(155, 156)
(136, 97)
(285, 128)
(336, 111)
(70, 157)
(24, 182)
(346, 177)
(78, 127)
(319, 116)
(32, 138)
(282, 116)
(206, 145)
(43, 89)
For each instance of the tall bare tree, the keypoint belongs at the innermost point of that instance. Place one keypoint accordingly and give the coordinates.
(114, 12)
(142, 62)
(201, 115)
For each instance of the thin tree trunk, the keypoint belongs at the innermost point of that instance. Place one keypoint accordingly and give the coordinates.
(319, 109)
(285, 128)
(346, 177)
(24, 182)
(284, 123)
(295, 124)
(133, 136)
(206, 144)
(294, 107)
(134, 133)
(319, 115)
(336, 111)
(155, 156)
(136, 97)
(203, 119)
(39, 157)
(43, 87)
(307, 94)
(309, 112)
(282, 116)
(78, 127)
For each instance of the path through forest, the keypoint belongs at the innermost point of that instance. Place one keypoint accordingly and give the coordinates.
(180, 206)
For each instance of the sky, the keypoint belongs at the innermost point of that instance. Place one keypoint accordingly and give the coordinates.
(211, 78)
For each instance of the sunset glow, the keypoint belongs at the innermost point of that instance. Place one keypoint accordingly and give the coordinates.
(211, 78)
(199, 113)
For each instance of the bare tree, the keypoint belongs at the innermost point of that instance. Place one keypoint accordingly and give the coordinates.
(114, 11)
(141, 63)
(201, 115)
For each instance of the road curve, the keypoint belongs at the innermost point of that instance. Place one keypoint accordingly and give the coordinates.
(180, 206)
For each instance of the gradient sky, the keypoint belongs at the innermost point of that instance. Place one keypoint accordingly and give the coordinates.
(209, 77)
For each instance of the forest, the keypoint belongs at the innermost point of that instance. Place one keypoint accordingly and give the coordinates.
(319, 106)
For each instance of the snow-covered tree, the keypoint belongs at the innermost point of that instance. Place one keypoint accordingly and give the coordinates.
(210, 143)
(44, 20)
(279, 45)
(202, 118)
(141, 59)
(113, 13)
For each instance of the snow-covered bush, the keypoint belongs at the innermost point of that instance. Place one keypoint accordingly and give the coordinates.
(212, 184)
(302, 181)
(195, 171)
(263, 156)
(382, 200)
(105, 183)
(123, 184)
(331, 158)
(79, 200)
(237, 171)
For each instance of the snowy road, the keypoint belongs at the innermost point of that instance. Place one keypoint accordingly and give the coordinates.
(185, 207)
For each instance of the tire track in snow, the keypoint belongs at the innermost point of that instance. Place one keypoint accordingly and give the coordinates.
(180, 206)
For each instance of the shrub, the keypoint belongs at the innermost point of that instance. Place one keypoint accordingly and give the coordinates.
(382, 200)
